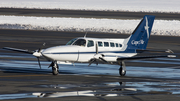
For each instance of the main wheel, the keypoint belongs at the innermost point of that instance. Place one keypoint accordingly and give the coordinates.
(55, 69)
(122, 72)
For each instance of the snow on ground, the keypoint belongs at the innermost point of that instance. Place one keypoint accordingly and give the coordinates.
(103, 5)
(161, 27)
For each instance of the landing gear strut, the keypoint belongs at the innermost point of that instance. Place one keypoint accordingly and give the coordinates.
(122, 69)
(55, 68)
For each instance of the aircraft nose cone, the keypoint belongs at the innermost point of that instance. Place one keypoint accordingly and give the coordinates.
(50, 50)
(47, 53)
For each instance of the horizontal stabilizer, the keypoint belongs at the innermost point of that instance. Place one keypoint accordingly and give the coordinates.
(19, 50)
(145, 57)
(154, 51)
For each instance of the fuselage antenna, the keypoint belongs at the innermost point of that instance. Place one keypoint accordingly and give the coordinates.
(85, 35)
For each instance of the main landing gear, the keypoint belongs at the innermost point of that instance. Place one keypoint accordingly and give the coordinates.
(122, 69)
(55, 68)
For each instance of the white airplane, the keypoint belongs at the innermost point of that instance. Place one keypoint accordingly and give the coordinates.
(95, 50)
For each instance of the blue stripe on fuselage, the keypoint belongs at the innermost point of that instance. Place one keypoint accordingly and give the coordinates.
(126, 51)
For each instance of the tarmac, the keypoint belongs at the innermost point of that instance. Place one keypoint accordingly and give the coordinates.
(86, 14)
(146, 80)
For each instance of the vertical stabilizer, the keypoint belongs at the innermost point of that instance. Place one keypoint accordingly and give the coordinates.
(140, 36)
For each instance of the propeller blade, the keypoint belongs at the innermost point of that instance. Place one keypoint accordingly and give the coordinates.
(39, 50)
(18, 50)
(39, 63)
(91, 61)
(52, 63)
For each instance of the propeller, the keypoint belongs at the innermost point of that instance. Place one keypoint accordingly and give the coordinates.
(38, 54)
(97, 57)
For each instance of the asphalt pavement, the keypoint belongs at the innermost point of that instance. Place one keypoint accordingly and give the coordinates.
(86, 14)
(146, 80)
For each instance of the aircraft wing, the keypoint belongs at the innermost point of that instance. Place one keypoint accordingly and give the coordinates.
(144, 57)
(19, 50)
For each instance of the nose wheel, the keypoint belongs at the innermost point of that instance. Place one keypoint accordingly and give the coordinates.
(122, 69)
(55, 68)
(122, 72)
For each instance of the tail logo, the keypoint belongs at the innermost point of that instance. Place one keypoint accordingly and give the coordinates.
(137, 42)
(147, 27)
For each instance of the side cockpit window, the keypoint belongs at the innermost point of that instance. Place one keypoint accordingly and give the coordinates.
(80, 42)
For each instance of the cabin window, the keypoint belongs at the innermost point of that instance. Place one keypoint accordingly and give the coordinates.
(100, 44)
(117, 45)
(120, 45)
(112, 44)
(90, 43)
(71, 41)
(80, 42)
(106, 44)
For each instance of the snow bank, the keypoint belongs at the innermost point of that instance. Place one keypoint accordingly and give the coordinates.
(102, 5)
(161, 27)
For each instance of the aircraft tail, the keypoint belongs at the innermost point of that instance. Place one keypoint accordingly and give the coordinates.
(140, 36)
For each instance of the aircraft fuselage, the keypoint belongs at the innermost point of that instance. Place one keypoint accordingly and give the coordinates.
(110, 49)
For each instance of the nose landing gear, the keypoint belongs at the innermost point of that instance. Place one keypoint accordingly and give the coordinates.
(55, 68)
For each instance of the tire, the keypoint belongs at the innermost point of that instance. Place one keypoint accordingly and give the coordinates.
(55, 69)
(122, 72)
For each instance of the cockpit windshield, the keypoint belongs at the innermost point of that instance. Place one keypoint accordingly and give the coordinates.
(80, 42)
(71, 41)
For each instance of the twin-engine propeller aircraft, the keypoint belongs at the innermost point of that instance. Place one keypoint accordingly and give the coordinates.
(95, 50)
